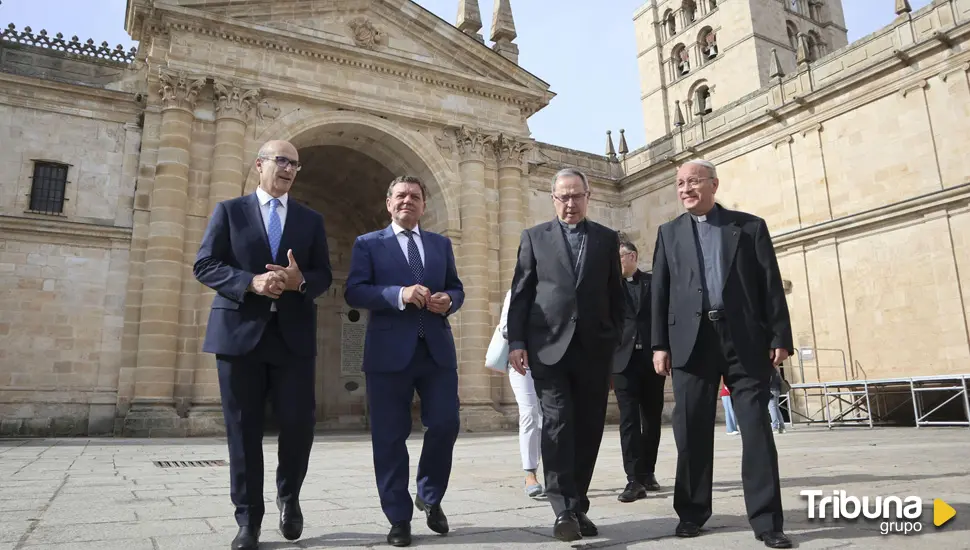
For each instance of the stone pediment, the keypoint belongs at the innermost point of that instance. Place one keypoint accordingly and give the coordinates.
(397, 28)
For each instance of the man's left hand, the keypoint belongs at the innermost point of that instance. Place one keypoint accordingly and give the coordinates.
(439, 303)
(294, 277)
(778, 356)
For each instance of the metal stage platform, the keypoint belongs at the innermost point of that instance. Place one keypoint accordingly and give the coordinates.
(855, 400)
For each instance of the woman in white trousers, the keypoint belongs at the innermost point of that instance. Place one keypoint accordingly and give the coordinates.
(530, 416)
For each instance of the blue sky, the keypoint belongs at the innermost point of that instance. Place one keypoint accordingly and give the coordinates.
(584, 49)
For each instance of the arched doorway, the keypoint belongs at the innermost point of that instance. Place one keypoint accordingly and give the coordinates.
(349, 160)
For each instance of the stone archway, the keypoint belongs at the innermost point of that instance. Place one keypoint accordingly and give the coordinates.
(349, 160)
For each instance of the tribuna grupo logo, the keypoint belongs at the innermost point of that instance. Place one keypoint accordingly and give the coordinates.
(896, 515)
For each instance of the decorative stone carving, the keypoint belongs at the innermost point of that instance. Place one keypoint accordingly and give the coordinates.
(233, 100)
(445, 142)
(510, 151)
(179, 90)
(266, 110)
(366, 34)
(472, 143)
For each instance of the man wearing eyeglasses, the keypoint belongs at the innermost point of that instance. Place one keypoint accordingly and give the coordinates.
(719, 310)
(267, 259)
(564, 320)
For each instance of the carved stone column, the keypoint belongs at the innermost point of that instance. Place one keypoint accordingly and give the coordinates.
(473, 382)
(234, 104)
(510, 153)
(152, 412)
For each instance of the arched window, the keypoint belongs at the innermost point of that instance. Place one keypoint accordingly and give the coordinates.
(792, 35)
(815, 46)
(681, 60)
(707, 44)
(670, 24)
(815, 10)
(690, 11)
(702, 100)
(699, 98)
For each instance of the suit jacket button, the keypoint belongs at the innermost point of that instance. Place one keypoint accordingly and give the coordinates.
(698, 314)
(701, 290)
(573, 318)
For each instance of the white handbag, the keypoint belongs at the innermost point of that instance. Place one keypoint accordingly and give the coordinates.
(497, 356)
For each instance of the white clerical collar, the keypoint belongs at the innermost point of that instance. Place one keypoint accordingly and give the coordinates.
(398, 229)
(701, 218)
(629, 279)
(263, 197)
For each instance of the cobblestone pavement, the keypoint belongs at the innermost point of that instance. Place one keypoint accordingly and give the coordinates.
(107, 494)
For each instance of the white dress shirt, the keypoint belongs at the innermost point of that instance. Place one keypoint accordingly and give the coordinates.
(263, 197)
(402, 240)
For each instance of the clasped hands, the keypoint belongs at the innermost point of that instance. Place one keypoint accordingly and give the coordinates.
(661, 360)
(421, 296)
(278, 278)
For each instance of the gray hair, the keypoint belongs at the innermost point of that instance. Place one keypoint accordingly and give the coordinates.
(706, 164)
(569, 172)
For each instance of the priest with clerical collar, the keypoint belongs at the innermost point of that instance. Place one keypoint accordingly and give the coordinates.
(565, 310)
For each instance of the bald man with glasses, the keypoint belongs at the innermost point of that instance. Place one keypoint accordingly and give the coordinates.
(267, 259)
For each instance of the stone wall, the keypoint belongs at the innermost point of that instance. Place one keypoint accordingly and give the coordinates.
(63, 275)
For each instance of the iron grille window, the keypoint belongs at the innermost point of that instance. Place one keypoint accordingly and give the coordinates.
(47, 187)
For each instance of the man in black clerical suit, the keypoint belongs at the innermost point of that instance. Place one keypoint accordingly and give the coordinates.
(638, 388)
(565, 313)
(719, 310)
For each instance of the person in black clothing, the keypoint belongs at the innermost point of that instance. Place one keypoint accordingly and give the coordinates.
(639, 389)
(719, 310)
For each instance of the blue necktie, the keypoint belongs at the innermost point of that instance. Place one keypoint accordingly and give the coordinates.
(417, 269)
(275, 232)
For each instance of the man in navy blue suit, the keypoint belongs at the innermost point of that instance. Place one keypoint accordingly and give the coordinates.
(406, 277)
(262, 329)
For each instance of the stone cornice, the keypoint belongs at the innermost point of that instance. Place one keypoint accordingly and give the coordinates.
(234, 100)
(179, 90)
(528, 99)
(923, 205)
(32, 92)
(52, 229)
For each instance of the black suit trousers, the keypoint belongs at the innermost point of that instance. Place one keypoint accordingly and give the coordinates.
(573, 395)
(245, 382)
(639, 394)
(696, 393)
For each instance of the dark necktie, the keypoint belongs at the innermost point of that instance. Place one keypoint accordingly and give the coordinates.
(417, 269)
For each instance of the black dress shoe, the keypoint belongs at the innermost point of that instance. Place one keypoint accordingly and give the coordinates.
(687, 529)
(246, 539)
(437, 521)
(400, 534)
(586, 527)
(774, 539)
(650, 483)
(291, 519)
(567, 527)
(633, 492)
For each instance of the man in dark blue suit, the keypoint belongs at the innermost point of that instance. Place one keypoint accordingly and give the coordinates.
(406, 277)
(262, 329)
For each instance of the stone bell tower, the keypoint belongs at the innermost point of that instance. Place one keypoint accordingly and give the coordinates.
(695, 56)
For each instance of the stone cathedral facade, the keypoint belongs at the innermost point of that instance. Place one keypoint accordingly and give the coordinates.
(113, 160)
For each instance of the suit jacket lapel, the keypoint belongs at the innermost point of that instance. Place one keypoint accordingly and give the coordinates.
(389, 240)
(554, 233)
(644, 290)
(430, 259)
(686, 246)
(730, 233)
(255, 218)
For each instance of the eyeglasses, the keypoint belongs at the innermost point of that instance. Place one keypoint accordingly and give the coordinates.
(284, 162)
(690, 182)
(565, 199)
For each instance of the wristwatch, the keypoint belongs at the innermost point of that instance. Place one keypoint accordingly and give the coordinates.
(303, 287)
